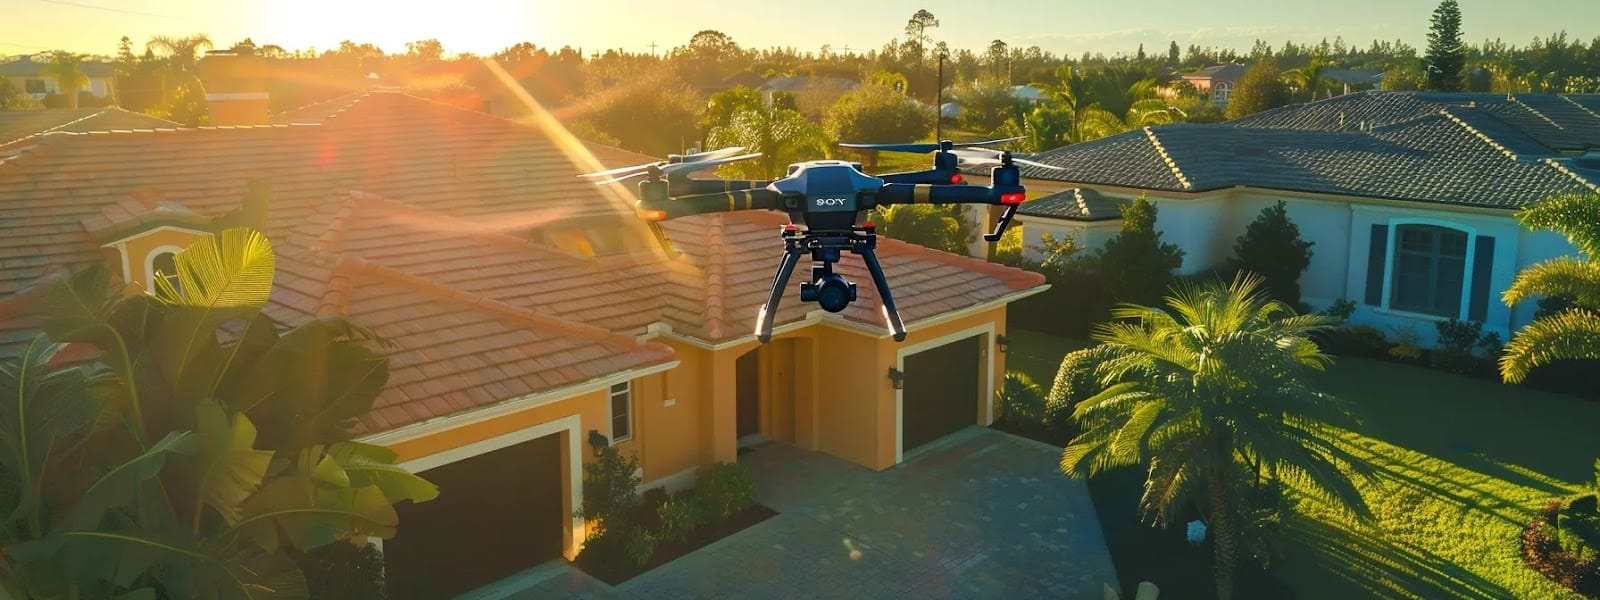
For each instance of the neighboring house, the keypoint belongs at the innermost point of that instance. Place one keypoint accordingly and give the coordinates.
(531, 313)
(1218, 81)
(1408, 197)
(1354, 80)
(18, 124)
(29, 76)
(813, 94)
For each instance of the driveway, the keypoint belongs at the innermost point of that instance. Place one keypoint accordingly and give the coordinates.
(979, 514)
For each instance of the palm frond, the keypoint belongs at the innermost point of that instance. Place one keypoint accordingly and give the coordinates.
(1569, 276)
(1571, 334)
(1571, 215)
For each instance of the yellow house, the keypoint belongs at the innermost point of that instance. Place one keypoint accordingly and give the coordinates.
(532, 319)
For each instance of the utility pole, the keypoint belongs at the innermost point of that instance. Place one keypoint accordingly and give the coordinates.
(652, 49)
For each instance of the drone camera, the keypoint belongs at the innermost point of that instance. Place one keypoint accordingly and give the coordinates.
(831, 292)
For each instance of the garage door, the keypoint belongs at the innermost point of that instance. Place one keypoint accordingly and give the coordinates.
(496, 514)
(941, 392)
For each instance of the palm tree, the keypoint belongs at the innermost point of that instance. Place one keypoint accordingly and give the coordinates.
(66, 68)
(1573, 332)
(1215, 399)
(1307, 80)
(1101, 102)
(184, 51)
(782, 136)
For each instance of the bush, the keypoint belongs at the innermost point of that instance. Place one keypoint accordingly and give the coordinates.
(875, 113)
(343, 570)
(1356, 340)
(1076, 380)
(1271, 247)
(1341, 309)
(610, 491)
(1542, 550)
(1136, 265)
(677, 519)
(722, 490)
(1456, 351)
(1407, 346)
(641, 546)
(1021, 400)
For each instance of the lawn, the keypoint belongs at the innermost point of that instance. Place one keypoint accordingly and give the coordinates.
(1458, 467)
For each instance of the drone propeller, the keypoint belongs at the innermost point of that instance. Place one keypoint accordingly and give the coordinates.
(925, 148)
(669, 169)
(985, 156)
(621, 173)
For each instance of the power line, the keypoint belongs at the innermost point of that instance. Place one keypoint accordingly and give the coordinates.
(108, 9)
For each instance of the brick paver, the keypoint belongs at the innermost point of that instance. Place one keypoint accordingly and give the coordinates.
(980, 514)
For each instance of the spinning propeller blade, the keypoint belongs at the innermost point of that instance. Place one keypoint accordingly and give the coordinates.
(926, 147)
(985, 156)
(690, 167)
(623, 170)
(682, 164)
(707, 155)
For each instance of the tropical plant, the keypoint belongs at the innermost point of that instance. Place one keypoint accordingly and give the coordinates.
(1574, 331)
(1021, 400)
(1307, 81)
(201, 450)
(782, 136)
(66, 68)
(939, 226)
(1216, 400)
(182, 51)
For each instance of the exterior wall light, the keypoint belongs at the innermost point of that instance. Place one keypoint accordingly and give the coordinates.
(898, 378)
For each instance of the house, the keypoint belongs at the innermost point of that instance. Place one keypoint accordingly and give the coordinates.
(1409, 198)
(18, 124)
(28, 75)
(534, 317)
(1217, 80)
(1354, 80)
(813, 94)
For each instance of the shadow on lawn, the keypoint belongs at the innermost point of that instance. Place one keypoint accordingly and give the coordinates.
(1467, 488)
(1384, 569)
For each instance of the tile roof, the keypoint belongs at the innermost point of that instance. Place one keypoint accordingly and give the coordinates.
(1561, 122)
(18, 124)
(1228, 72)
(412, 218)
(1453, 155)
(1076, 204)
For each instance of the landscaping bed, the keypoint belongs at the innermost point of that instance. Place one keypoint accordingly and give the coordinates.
(613, 571)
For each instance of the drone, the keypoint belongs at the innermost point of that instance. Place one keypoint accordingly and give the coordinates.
(824, 200)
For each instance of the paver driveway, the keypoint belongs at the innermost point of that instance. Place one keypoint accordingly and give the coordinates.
(980, 514)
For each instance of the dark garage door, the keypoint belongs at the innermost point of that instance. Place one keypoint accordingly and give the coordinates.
(941, 392)
(496, 514)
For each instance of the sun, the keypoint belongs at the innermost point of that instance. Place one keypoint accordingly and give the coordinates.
(477, 26)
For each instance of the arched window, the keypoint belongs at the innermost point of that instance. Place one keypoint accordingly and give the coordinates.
(1430, 266)
(164, 265)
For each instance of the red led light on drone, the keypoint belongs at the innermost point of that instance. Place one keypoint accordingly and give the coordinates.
(653, 215)
(1012, 199)
(957, 178)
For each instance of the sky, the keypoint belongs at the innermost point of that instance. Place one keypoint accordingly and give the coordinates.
(1069, 27)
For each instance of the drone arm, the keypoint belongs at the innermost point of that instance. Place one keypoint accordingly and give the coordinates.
(698, 204)
(685, 186)
(1007, 196)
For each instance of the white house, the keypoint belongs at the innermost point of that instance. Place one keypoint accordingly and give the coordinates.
(28, 75)
(1409, 198)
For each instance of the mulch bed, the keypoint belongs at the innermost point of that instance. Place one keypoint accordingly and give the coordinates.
(614, 572)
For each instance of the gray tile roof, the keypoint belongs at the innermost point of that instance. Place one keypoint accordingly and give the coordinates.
(1560, 122)
(1076, 204)
(1439, 157)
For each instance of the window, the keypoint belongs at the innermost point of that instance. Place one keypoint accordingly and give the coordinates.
(34, 86)
(1221, 91)
(1430, 265)
(621, 412)
(164, 265)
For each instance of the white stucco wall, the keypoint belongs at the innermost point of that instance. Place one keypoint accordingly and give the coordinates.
(1340, 230)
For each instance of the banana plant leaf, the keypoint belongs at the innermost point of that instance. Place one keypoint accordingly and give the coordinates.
(43, 412)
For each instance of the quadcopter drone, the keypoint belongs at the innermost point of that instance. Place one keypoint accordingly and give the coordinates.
(825, 200)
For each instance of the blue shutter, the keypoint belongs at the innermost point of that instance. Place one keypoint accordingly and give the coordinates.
(1482, 269)
(1376, 256)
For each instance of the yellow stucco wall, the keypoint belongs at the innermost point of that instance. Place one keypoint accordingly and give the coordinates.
(131, 256)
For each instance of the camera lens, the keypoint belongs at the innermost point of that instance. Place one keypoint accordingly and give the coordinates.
(834, 293)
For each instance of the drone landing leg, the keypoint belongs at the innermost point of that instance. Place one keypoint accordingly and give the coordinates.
(890, 315)
(791, 257)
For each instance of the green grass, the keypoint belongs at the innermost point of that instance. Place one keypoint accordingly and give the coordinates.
(1457, 467)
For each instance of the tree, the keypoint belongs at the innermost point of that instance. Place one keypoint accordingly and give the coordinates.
(183, 52)
(1261, 88)
(178, 465)
(657, 115)
(1271, 247)
(985, 106)
(917, 32)
(999, 63)
(1216, 402)
(1307, 81)
(782, 136)
(428, 50)
(66, 69)
(944, 227)
(1136, 265)
(877, 113)
(1446, 56)
(1174, 55)
(1574, 331)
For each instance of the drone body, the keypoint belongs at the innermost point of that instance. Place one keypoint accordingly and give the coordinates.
(824, 200)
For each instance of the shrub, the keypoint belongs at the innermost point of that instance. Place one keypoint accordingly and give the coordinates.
(1076, 381)
(1341, 309)
(1271, 247)
(724, 489)
(1407, 346)
(343, 570)
(1356, 340)
(1457, 343)
(1021, 400)
(878, 113)
(1135, 264)
(610, 488)
(641, 546)
(1542, 550)
(677, 520)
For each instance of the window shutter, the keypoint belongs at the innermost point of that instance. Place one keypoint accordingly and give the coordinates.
(1482, 269)
(1376, 258)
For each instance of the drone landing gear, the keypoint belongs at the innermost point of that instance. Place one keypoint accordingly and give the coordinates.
(827, 288)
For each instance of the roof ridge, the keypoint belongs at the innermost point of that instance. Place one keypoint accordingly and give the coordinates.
(1479, 134)
(1568, 98)
(360, 265)
(336, 290)
(351, 96)
(1005, 274)
(1573, 174)
(332, 239)
(1536, 112)
(716, 272)
(363, 199)
(1167, 158)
